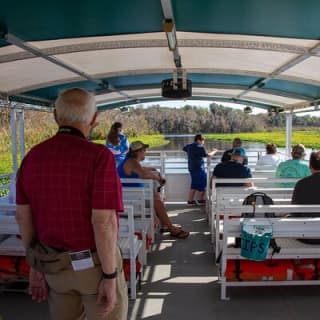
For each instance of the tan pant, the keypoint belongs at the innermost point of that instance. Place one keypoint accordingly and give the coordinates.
(73, 294)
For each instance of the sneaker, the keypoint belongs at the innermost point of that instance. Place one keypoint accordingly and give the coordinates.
(201, 202)
(192, 203)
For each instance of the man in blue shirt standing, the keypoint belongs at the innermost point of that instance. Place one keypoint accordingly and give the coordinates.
(196, 152)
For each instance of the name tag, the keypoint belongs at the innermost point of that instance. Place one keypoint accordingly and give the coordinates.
(81, 260)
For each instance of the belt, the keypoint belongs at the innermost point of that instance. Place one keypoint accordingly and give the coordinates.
(93, 252)
(67, 251)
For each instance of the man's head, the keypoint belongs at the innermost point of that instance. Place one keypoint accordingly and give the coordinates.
(236, 143)
(137, 150)
(75, 107)
(314, 162)
(298, 152)
(199, 138)
(238, 154)
(271, 148)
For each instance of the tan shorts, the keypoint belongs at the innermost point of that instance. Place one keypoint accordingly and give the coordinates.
(73, 294)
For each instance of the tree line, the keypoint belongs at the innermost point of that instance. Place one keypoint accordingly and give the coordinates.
(193, 119)
(164, 120)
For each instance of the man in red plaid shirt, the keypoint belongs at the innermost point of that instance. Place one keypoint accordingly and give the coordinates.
(68, 196)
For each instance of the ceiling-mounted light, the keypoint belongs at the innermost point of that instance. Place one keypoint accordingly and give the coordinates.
(272, 112)
(170, 30)
(247, 109)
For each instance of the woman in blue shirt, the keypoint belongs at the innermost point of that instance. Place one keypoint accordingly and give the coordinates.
(117, 142)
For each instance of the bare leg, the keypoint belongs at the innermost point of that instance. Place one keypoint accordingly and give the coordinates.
(202, 195)
(192, 193)
(162, 214)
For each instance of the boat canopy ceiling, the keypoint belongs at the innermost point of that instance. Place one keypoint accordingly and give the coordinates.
(263, 53)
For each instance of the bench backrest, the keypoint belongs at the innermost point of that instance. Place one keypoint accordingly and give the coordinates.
(286, 227)
(234, 196)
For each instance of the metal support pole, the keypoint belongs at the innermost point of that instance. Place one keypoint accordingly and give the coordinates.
(20, 113)
(13, 139)
(289, 117)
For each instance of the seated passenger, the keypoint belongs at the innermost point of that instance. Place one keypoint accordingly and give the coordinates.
(234, 168)
(271, 158)
(306, 191)
(295, 167)
(236, 143)
(117, 142)
(131, 168)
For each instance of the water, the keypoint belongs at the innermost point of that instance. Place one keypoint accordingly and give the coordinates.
(177, 142)
(178, 164)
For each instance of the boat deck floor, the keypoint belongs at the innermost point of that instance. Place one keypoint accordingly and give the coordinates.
(180, 282)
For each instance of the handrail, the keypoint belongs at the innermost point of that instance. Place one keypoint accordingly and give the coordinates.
(290, 208)
(256, 179)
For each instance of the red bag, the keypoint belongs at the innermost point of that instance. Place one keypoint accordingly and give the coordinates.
(8, 264)
(126, 268)
(148, 239)
(268, 270)
(305, 269)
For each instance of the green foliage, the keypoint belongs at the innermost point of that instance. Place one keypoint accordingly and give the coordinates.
(310, 139)
(5, 162)
(4, 192)
(153, 140)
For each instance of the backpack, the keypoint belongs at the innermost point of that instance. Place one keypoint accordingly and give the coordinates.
(254, 199)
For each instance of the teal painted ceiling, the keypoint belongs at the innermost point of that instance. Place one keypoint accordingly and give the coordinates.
(260, 52)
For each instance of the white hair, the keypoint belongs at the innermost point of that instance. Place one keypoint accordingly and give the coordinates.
(75, 106)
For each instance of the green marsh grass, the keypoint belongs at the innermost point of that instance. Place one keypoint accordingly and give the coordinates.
(310, 138)
(153, 140)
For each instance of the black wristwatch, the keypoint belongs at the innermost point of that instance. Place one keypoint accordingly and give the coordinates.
(110, 275)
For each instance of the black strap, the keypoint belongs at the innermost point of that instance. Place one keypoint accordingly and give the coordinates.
(17, 264)
(274, 246)
(316, 269)
(237, 269)
(71, 130)
(219, 257)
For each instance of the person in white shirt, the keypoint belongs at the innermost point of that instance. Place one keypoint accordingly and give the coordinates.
(271, 158)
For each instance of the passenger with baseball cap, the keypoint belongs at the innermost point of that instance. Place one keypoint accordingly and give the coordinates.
(236, 143)
(131, 168)
(234, 168)
(295, 167)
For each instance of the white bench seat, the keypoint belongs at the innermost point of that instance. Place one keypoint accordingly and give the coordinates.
(124, 244)
(130, 246)
(286, 230)
(12, 246)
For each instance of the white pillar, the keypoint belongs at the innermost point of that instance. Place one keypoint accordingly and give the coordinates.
(289, 117)
(20, 113)
(13, 138)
